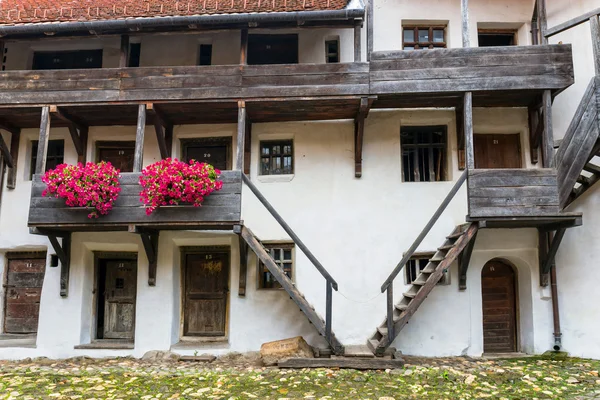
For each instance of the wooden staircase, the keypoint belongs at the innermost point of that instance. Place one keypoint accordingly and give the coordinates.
(578, 157)
(428, 278)
(287, 284)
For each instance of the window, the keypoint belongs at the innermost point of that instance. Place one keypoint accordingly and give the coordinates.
(277, 157)
(119, 153)
(423, 37)
(135, 51)
(205, 54)
(494, 37)
(423, 153)
(75, 59)
(212, 150)
(54, 157)
(417, 263)
(282, 255)
(332, 51)
(272, 49)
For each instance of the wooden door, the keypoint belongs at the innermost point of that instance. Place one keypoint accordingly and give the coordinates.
(119, 154)
(497, 151)
(216, 152)
(206, 292)
(498, 286)
(25, 277)
(119, 299)
(273, 49)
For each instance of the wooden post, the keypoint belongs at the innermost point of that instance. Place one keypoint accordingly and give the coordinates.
(241, 136)
(139, 139)
(247, 147)
(535, 33)
(40, 165)
(595, 27)
(357, 40)
(124, 58)
(11, 181)
(390, 314)
(548, 138)
(243, 266)
(468, 128)
(466, 37)
(328, 311)
(543, 22)
(2, 170)
(244, 47)
(83, 137)
(369, 29)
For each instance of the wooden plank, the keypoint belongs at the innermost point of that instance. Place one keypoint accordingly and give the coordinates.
(509, 173)
(347, 362)
(40, 165)
(468, 130)
(139, 139)
(370, 33)
(241, 135)
(466, 37)
(548, 137)
(570, 23)
(595, 28)
(518, 211)
(520, 201)
(518, 191)
(357, 40)
(477, 181)
(452, 52)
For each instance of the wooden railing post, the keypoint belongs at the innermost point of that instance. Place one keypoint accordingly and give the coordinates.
(390, 313)
(328, 311)
(466, 34)
(42, 150)
(468, 128)
(357, 40)
(138, 160)
(241, 135)
(548, 138)
(595, 28)
(542, 21)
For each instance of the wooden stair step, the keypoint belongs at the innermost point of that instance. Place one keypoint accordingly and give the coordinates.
(436, 259)
(382, 330)
(410, 295)
(583, 180)
(419, 281)
(373, 344)
(446, 247)
(429, 268)
(455, 235)
(594, 169)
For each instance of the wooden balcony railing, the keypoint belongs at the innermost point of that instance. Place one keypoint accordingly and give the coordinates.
(221, 209)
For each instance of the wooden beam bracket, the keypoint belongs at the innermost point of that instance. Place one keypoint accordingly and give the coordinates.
(243, 261)
(164, 129)
(63, 252)
(359, 128)
(77, 128)
(5, 152)
(464, 259)
(150, 241)
(548, 261)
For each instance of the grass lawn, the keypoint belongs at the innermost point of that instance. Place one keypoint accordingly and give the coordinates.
(451, 378)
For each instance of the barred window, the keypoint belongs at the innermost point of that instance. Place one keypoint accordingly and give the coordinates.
(283, 257)
(423, 153)
(423, 37)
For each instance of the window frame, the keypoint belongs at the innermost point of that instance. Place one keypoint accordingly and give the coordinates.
(262, 269)
(271, 156)
(442, 146)
(33, 160)
(199, 60)
(498, 32)
(410, 268)
(336, 53)
(431, 44)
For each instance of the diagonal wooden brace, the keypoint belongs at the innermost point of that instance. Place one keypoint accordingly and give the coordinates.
(150, 242)
(63, 253)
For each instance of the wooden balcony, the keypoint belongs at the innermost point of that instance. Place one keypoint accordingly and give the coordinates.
(220, 210)
(517, 198)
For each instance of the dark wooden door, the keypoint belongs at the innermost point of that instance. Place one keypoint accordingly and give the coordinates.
(273, 49)
(497, 151)
(216, 154)
(23, 291)
(499, 308)
(206, 291)
(119, 154)
(119, 299)
(71, 59)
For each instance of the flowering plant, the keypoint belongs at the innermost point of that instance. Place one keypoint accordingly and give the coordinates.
(170, 182)
(90, 185)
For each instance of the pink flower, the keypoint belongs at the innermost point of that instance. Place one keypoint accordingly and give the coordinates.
(171, 182)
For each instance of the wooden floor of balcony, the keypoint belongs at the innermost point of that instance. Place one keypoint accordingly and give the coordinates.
(221, 210)
(498, 76)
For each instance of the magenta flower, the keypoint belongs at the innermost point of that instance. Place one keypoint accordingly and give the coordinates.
(171, 182)
(91, 185)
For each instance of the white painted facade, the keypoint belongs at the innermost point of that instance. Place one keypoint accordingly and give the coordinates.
(357, 228)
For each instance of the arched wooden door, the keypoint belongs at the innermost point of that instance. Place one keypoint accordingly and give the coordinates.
(498, 289)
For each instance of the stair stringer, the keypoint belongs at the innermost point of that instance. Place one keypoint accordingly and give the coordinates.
(287, 284)
(379, 347)
(579, 142)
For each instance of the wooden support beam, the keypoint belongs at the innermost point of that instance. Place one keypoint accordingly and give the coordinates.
(40, 165)
(63, 251)
(595, 28)
(542, 20)
(548, 137)
(244, 47)
(11, 181)
(6, 157)
(464, 259)
(466, 37)
(357, 40)
(75, 128)
(2, 171)
(138, 159)
(468, 128)
(536, 127)
(150, 242)
(163, 127)
(370, 19)
(542, 256)
(83, 136)
(535, 32)
(241, 135)
(359, 128)
(243, 266)
(460, 132)
(248, 147)
(560, 233)
(124, 56)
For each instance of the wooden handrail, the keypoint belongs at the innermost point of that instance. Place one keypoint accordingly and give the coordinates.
(289, 231)
(571, 23)
(425, 231)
